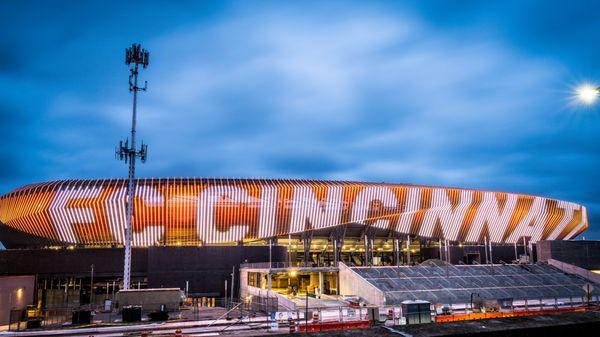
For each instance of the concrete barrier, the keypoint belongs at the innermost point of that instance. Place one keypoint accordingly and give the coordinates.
(573, 269)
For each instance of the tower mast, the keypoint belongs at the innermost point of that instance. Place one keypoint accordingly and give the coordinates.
(134, 57)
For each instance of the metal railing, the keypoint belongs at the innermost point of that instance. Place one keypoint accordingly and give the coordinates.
(64, 317)
(286, 265)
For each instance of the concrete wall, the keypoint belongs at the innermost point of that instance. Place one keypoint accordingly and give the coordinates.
(283, 303)
(584, 254)
(353, 284)
(459, 254)
(205, 268)
(572, 269)
(70, 262)
(16, 292)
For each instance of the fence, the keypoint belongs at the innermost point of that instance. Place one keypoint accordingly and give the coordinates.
(488, 315)
(283, 265)
(112, 313)
(51, 318)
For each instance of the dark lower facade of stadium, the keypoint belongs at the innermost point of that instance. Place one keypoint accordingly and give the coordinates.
(195, 233)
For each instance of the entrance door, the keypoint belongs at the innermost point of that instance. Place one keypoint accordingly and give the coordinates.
(472, 258)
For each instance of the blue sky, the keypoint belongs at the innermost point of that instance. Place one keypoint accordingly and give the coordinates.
(458, 93)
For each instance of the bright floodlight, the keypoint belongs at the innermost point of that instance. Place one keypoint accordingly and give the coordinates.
(587, 94)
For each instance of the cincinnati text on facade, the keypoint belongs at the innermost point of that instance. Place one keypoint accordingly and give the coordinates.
(216, 211)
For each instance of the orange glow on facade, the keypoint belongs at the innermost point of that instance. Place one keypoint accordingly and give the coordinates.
(217, 211)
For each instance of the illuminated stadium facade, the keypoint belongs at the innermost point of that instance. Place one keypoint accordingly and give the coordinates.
(225, 211)
(190, 233)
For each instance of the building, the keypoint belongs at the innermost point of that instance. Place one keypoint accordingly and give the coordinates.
(191, 233)
(16, 292)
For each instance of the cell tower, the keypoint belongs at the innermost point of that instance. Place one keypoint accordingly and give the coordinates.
(134, 57)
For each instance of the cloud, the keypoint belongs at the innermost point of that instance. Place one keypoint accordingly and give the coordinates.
(361, 92)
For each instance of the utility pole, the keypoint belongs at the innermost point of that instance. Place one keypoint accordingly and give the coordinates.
(134, 57)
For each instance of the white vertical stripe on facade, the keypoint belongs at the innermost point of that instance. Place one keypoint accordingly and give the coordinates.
(206, 206)
(151, 232)
(307, 207)
(568, 210)
(55, 210)
(441, 210)
(65, 217)
(304, 207)
(360, 211)
(489, 213)
(115, 204)
(412, 205)
(578, 227)
(532, 224)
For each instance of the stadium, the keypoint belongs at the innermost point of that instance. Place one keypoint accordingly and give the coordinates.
(68, 235)
(199, 212)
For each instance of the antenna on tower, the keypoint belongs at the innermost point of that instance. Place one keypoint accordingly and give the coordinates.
(127, 152)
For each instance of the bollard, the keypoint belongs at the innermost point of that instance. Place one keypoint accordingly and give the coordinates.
(315, 317)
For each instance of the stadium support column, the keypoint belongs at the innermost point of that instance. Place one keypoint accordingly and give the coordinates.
(335, 252)
(408, 250)
(448, 258)
(338, 236)
(270, 265)
(491, 255)
(397, 250)
(485, 249)
(371, 251)
(270, 254)
(307, 242)
(338, 243)
(366, 247)
(525, 248)
(289, 251)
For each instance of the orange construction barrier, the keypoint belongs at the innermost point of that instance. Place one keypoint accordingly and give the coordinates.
(334, 326)
(487, 315)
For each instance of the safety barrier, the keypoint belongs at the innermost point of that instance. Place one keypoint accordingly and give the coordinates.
(487, 315)
(334, 326)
